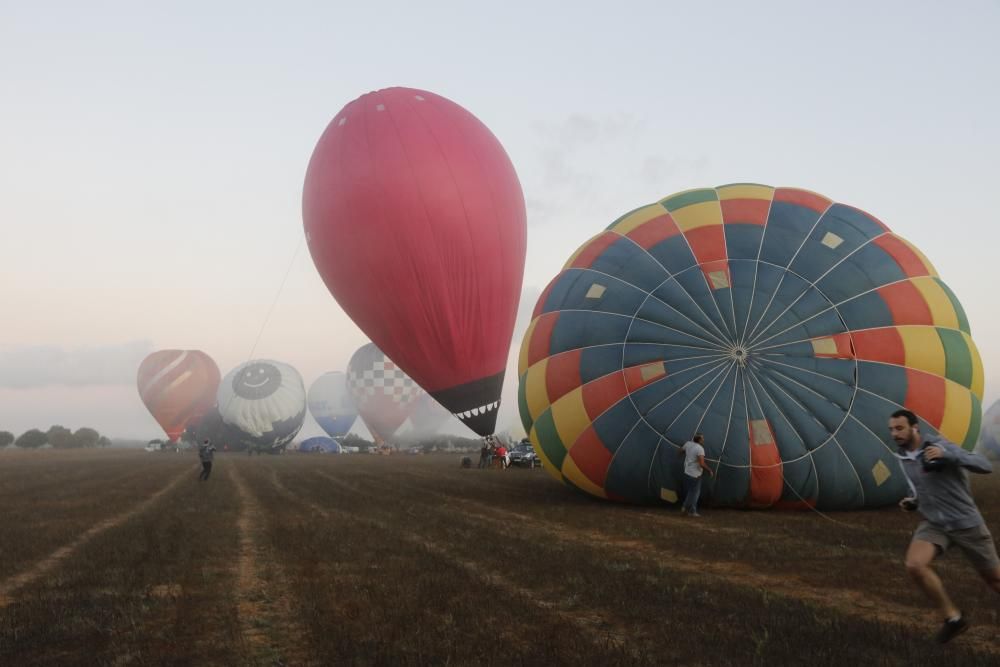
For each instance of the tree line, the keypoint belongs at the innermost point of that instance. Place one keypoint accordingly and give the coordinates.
(59, 437)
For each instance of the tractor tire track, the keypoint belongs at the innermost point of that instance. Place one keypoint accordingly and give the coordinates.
(602, 629)
(731, 573)
(12, 585)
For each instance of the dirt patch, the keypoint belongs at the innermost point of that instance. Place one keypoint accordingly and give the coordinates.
(166, 591)
(267, 621)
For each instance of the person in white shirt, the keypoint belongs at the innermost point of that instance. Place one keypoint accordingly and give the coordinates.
(693, 452)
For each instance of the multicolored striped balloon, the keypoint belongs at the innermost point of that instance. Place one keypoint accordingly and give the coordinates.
(783, 326)
(178, 387)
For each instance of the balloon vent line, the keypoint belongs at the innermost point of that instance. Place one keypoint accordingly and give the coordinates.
(811, 507)
(270, 311)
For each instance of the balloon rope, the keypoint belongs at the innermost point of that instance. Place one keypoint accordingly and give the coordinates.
(810, 506)
(270, 311)
(274, 302)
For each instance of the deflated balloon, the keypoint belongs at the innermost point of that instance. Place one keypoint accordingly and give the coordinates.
(785, 327)
(264, 401)
(178, 387)
(416, 221)
(320, 444)
(989, 436)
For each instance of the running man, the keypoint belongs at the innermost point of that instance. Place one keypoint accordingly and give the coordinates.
(936, 470)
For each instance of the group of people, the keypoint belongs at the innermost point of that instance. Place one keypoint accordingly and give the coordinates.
(493, 453)
(937, 475)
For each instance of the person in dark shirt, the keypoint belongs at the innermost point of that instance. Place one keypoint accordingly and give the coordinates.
(206, 452)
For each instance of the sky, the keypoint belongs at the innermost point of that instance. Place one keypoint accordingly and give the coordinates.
(152, 156)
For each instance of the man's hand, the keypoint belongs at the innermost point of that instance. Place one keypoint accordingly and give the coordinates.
(908, 504)
(932, 452)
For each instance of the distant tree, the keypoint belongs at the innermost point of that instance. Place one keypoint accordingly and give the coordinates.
(6, 439)
(60, 437)
(32, 439)
(104, 441)
(86, 437)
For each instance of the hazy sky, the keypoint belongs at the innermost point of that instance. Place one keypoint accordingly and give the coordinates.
(152, 157)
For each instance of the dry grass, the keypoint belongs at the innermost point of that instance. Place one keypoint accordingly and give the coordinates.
(412, 560)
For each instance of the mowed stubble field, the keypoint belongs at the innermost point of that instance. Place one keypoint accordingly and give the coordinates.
(125, 558)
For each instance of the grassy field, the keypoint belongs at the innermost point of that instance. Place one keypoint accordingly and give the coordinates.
(125, 558)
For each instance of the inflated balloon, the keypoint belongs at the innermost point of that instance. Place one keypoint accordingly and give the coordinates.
(784, 326)
(989, 436)
(264, 401)
(415, 220)
(383, 393)
(331, 405)
(320, 444)
(178, 387)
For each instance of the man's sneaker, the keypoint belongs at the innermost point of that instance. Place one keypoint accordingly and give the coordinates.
(695, 514)
(952, 629)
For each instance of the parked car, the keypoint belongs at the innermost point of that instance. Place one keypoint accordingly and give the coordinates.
(523, 454)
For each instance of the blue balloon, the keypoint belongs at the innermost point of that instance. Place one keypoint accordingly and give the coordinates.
(331, 404)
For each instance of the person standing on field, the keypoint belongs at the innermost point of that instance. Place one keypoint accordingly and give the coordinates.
(502, 455)
(206, 452)
(937, 472)
(484, 454)
(693, 452)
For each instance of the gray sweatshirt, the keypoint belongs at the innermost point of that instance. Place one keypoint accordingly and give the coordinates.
(206, 453)
(944, 497)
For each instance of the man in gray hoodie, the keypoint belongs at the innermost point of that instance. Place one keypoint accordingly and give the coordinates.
(936, 470)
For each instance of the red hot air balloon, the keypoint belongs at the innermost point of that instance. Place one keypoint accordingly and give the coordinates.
(415, 220)
(383, 393)
(178, 387)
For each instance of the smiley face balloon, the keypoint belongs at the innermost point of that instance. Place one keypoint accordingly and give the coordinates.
(265, 403)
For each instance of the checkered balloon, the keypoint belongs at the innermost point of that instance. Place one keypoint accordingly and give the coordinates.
(385, 378)
(385, 395)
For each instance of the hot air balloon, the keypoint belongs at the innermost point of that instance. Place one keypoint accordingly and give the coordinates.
(383, 393)
(264, 402)
(989, 436)
(783, 326)
(331, 405)
(320, 444)
(427, 417)
(415, 220)
(178, 387)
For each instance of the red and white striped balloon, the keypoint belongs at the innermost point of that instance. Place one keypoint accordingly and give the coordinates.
(178, 387)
